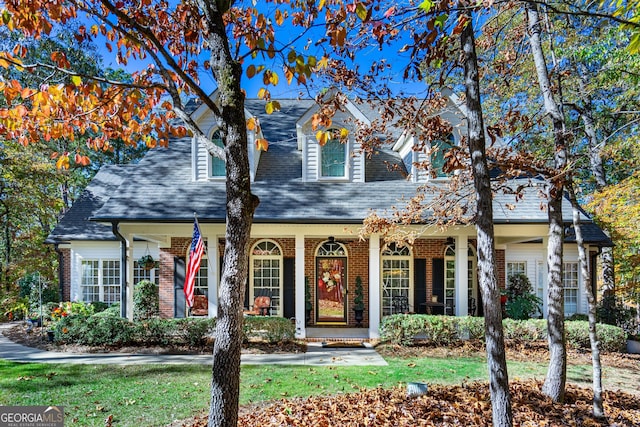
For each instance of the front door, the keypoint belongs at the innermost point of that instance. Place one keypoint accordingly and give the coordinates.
(331, 290)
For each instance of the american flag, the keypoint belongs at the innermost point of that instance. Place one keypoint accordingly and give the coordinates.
(195, 255)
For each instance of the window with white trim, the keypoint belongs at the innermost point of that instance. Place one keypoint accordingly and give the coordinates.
(201, 282)
(397, 276)
(333, 158)
(100, 280)
(218, 168)
(141, 273)
(515, 268)
(570, 284)
(266, 273)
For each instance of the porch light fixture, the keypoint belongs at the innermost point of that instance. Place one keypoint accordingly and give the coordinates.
(331, 239)
(451, 242)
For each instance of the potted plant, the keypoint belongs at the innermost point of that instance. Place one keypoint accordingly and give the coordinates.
(147, 262)
(358, 302)
(307, 301)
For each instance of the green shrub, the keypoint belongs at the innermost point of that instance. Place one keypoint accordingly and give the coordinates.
(94, 330)
(471, 327)
(270, 329)
(521, 304)
(146, 301)
(112, 311)
(612, 311)
(195, 332)
(403, 329)
(155, 331)
(525, 330)
(612, 338)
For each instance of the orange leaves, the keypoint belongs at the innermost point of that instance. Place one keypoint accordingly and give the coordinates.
(60, 59)
(262, 144)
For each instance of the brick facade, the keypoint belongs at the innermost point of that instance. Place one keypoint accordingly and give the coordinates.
(357, 265)
(65, 268)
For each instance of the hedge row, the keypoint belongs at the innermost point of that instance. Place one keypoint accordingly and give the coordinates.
(405, 329)
(110, 331)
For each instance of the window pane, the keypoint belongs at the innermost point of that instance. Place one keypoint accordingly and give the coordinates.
(570, 284)
(333, 155)
(89, 281)
(218, 167)
(438, 156)
(111, 280)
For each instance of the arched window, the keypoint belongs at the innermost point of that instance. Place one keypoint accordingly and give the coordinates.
(440, 148)
(331, 283)
(266, 273)
(397, 279)
(218, 166)
(333, 158)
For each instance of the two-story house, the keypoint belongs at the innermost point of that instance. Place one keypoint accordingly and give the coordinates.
(313, 200)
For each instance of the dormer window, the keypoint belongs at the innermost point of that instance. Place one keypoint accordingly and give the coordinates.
(218, 167)
(333, 159)
(440, 148)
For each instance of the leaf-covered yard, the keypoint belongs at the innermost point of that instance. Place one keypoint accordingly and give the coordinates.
(443, 405)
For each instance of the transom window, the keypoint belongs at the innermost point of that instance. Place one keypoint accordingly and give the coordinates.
(333, 159)
(397, 274)
(570, 284)
(100, 280)
(266, 273)
(218, 166)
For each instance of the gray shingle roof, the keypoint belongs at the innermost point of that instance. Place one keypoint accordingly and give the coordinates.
(160, 189)
(75, 224)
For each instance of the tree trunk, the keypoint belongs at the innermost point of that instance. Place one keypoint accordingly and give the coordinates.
(496, 359)
(241, 204)
(597, 170)
(554, 384)
(598, 408)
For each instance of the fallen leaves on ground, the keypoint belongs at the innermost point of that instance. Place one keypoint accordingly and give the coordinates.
(443, 405)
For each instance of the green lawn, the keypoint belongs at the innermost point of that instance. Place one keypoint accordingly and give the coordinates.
(155, 395)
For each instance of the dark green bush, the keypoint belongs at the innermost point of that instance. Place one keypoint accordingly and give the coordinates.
(270, 329)
(155, 331)
(94, 330)
(195, 332)
(146, 301)
(521, 304)
(406, 329)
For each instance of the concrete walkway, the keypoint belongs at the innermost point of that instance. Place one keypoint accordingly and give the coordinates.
(315, 355)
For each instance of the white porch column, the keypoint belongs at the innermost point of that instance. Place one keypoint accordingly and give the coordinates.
(213, 275)
(128, 280)
(301, 331)
(462, 281)
(374, 286)
(545, 276)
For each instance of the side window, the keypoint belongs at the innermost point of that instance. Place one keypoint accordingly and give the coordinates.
(333, 159)
(218, 167)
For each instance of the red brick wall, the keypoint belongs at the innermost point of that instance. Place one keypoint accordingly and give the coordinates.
(65, 265)
(179, 248)
(358, 265)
